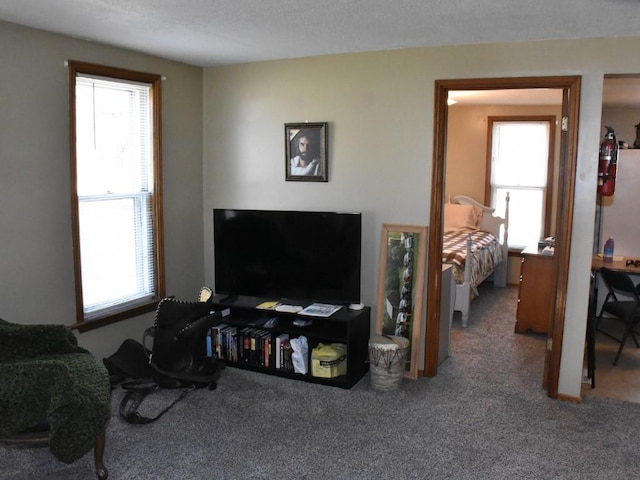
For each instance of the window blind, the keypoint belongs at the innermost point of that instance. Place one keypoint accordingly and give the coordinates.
(115, 192)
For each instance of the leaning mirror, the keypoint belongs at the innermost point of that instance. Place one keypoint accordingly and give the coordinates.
(400, 287)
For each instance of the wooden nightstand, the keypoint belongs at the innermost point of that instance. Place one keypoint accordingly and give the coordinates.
(537, 287)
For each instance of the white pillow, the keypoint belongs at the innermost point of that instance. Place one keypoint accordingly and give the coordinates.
(461, 218)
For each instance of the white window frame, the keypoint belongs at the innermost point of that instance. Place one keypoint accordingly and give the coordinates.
(546, 189)
(145, 209)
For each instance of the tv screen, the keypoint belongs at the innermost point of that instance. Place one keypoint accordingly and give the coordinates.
(313, 256)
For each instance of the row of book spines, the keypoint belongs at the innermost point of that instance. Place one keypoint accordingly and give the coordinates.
(249, 345)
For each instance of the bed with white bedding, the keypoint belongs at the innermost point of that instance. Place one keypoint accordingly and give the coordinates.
(475, 244)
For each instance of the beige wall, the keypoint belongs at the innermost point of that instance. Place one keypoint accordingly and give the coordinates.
(623, 121)
(380, 112)
(36, 262)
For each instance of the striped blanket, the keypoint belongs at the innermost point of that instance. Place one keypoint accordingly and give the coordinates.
(486, 254)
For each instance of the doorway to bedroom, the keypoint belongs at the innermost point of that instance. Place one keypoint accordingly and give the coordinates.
(564, 88)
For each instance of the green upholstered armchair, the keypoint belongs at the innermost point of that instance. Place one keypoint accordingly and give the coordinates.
(47, 377)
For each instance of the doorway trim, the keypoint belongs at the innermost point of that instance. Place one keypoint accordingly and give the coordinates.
(566, 193)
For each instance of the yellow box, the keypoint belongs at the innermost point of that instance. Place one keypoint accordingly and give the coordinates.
(329, 361)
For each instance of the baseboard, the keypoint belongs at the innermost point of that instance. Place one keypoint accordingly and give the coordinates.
(569, 398)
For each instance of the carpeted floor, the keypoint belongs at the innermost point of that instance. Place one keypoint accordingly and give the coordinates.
(484, 416)
(621, 381)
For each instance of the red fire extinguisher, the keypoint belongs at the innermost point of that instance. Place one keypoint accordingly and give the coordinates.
(607, 164)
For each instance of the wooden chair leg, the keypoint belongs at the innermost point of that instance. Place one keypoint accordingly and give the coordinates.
(98, 454)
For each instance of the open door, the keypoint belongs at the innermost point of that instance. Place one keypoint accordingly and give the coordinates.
(566, 187)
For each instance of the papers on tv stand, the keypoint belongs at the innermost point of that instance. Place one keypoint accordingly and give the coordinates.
(288, 308)
(268, 305)
(320, 310)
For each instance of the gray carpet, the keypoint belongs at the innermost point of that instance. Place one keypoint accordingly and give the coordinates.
(484, 416)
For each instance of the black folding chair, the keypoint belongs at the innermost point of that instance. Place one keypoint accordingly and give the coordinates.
(623, 303)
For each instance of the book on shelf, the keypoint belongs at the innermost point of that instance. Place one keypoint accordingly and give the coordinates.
(257, 347)
(253, 347)
(214, 341)
(234, 347)
(209, 344)
(244, 345)
(320, 310)
(264, 343)
(269, 351)
(280, 340)
(227, 343)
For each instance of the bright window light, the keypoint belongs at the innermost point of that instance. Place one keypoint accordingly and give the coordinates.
(519, 162)
(115, 218)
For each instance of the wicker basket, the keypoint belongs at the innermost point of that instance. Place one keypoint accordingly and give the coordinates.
(387, 359)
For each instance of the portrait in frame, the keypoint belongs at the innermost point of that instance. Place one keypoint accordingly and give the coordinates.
(306, 152)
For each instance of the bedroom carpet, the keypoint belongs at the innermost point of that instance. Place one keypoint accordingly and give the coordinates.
(485, 416)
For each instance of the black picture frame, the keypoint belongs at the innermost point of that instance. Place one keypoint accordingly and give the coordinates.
(314, 141)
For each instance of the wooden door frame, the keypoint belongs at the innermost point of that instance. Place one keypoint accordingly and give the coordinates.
(566, 192)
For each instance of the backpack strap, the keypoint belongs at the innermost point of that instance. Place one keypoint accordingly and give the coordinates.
(148, 333)
(208, 379)
(136, 393)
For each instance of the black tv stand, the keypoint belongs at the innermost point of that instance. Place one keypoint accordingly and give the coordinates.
(244, 322)
(225, 298)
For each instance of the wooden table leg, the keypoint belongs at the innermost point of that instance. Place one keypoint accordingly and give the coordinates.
(98, 454)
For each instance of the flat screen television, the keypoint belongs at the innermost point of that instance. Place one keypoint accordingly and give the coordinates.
(294, 255)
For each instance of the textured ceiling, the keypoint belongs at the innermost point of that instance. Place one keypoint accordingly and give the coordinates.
(221, 32)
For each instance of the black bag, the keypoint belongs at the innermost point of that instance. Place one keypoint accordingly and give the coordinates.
(130, 361)
(178, 355)
(177, 358)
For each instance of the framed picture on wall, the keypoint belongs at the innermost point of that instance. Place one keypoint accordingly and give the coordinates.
(306, 152)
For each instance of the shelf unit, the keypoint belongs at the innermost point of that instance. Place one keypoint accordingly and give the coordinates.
(349, 327)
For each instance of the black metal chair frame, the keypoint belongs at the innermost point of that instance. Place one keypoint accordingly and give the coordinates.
(620, 285)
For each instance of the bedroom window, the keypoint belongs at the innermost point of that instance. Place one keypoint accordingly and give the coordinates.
(521, 163)
(115, 190)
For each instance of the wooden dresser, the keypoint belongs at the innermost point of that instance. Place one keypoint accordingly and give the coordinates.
(535, 296)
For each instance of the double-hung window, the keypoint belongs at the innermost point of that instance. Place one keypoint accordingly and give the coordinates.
(115, 190)
(521, 163)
